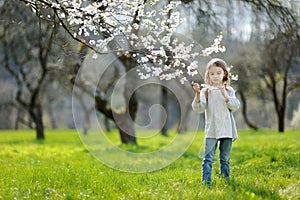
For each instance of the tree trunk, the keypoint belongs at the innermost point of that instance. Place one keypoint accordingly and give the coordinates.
(106, 124)
(129, 116)
(164, 103)
(87, 122)
(51, 116)
(127, 132)
(281, 122)
(244, 112)
(19, 116)
(123, 119)
(279, 107)
(182, 126)
(40, 135)
(37, 117)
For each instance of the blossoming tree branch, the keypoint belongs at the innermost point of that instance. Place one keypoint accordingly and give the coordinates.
(143, 30)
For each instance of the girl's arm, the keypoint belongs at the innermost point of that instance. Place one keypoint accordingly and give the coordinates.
(199, 102)
(233, 103)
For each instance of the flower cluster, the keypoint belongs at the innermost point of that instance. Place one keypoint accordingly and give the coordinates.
(232, 76)
(145, 31)
(216, 47)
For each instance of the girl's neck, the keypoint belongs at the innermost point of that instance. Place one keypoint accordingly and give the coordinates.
(217, 85)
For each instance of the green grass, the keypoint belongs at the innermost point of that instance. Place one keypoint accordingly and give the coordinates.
(264, 165)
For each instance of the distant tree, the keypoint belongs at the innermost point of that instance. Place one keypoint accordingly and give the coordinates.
(279, 50)
(87, 111)
(271, 55)
(27, 46)
(280, 72)
(296, 118)
(7, 107)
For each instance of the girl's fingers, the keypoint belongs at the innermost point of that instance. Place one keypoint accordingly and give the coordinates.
(196, 86)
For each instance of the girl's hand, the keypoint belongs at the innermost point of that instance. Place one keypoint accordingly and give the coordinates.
(196, 88)
(224, 93)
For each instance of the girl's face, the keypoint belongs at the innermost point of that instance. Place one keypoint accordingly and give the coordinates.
(216, 75)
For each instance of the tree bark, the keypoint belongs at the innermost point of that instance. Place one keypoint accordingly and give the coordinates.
(87, 122)
(19, 116)
(127, 132)
(106, 124)
(35, 113)
(182, 126)
(123, 119)
(51, 115)
(281, 122)
(130, 97)
(164, 103)
(244, 112)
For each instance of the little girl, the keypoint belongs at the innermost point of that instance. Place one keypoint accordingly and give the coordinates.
(218, 100)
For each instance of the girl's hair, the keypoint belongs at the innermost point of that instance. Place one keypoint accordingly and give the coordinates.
(217, 62)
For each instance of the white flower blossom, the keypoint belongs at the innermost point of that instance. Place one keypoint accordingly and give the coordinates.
(143, 76)
(92, 42)
(234, 77)
(160, 52)
(95, 56)
(148, 36)
(156, 71)
(165, 40)
(215, 47)
(144, 59)
(183, 80)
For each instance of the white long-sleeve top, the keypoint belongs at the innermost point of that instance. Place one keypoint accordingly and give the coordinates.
(219, 120)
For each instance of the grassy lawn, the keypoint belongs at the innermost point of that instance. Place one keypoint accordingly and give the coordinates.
(264, 165)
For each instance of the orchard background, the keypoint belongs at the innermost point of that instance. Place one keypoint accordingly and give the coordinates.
(76, 73)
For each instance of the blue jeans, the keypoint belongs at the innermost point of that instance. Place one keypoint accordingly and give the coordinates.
(209, 155)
